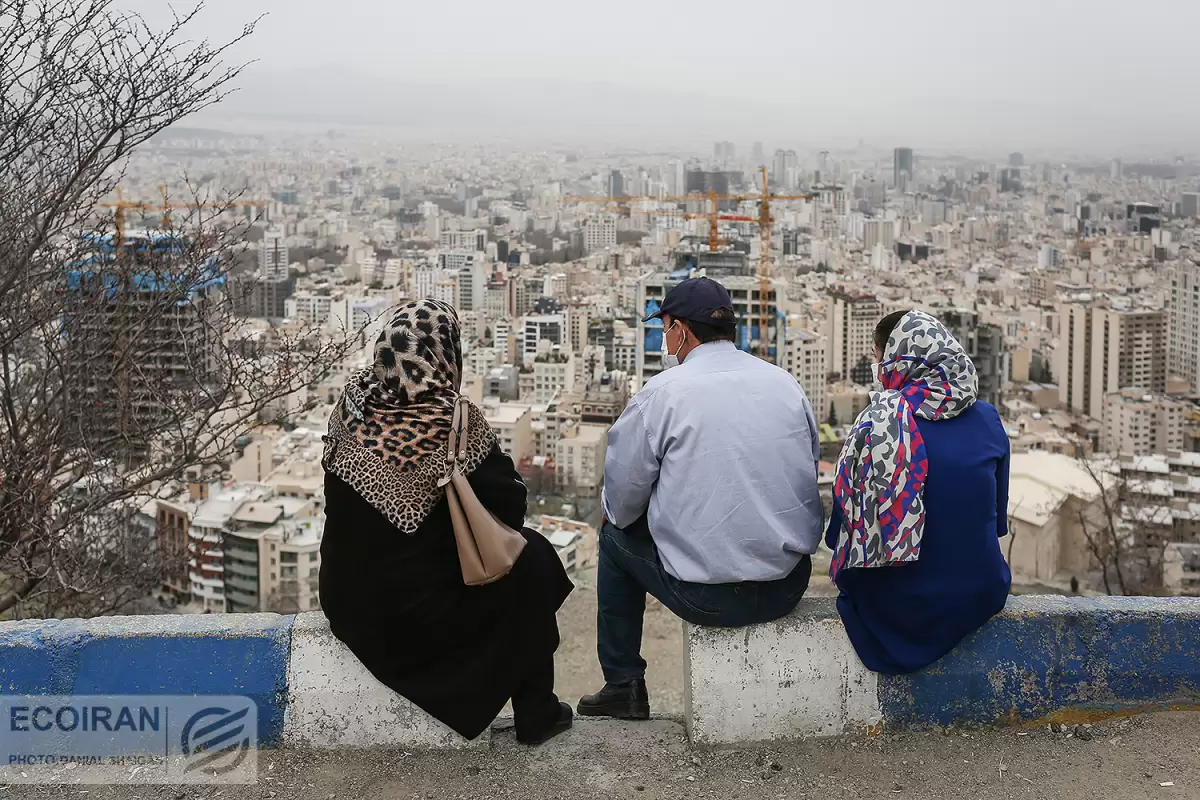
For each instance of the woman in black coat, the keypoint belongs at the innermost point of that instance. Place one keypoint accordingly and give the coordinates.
(391, 583)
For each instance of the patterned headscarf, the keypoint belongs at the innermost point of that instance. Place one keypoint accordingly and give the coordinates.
(388, 434)
(880, 480)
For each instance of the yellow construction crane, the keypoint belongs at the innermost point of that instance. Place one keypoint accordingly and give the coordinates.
(122, 205)
(714, 216)
(765, 220)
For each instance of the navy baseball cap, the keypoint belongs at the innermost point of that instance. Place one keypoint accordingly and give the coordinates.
(698, 300)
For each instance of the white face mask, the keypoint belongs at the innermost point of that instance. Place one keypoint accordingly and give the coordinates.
(670, 359)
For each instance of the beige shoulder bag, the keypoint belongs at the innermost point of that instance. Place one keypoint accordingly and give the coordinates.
(487, 548)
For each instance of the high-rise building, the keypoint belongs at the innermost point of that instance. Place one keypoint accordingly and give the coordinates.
(616, 183)
(676, 178)
(551, 327)
(273, 255)
(985, 345)
(137, 342)
(599, 233)
(933, 212)
(517, 296)
(472, 286)
(1049, 257)
(1190, 204)
(465, 240)
(878, 232)
(850, 328)
(785, 170)
(513, 424)
(902, 167)
(804, 359)
(1016, 160)
(758, 153)
(579, 457)
(1103, 350)
(992, 363)
(1116, 170)
(721, 182)
(1183, 308)
(314, 308)
(271, 288)
(425, 278)
(1141, 424)
(454, 260)
(553, 375)
(578, 319)
(272, 556)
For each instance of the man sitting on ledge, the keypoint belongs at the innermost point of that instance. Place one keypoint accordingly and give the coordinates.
(710, 494)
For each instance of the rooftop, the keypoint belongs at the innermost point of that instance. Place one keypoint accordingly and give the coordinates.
(505, 413)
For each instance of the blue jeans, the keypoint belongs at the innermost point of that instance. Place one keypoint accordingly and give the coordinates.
(630, 567)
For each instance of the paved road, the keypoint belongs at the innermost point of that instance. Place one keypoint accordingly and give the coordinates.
(1128, 759)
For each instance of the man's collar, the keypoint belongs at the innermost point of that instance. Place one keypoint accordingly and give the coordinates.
(710, 348)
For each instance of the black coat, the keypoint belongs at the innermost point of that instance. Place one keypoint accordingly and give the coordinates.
(399, 602)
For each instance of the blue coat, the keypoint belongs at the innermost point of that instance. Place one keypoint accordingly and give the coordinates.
(903, 617)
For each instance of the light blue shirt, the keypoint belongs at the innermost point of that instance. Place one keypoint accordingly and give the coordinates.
(722, 451)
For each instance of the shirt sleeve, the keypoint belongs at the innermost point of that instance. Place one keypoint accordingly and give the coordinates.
(630, 468)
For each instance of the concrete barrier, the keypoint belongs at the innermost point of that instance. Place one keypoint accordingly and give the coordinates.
(309, 689)
(333, 701)
(235, 654)
(791, 678)
(1043, 659)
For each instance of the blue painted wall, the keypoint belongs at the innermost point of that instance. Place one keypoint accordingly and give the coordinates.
(1047, 654)
(187, 655)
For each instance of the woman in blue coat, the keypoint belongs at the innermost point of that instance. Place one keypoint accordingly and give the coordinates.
(920, 501)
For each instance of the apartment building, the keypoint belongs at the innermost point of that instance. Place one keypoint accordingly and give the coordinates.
(1141, 424)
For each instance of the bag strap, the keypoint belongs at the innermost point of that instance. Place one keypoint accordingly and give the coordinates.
(456, 445)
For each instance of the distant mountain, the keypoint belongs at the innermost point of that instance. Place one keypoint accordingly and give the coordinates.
(493, 108)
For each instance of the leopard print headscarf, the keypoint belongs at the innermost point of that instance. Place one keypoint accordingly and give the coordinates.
(387, 436)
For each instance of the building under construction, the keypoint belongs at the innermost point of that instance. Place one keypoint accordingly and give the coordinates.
(138, 319)
(744, 291)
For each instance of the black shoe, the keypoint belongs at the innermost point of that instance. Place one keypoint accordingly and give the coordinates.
(623, 701)
(561, 724)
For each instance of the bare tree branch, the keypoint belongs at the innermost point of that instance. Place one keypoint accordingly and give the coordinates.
(123, 367)
(1123, 529)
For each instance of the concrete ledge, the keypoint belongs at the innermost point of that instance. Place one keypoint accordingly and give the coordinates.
(242, 654)
(791, 678)
(1058, 658)
(333, 701)
(1042, 659)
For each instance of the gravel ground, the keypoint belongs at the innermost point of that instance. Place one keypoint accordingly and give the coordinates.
(1121, 760)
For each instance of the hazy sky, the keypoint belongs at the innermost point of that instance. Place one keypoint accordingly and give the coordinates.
(1021, 73)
